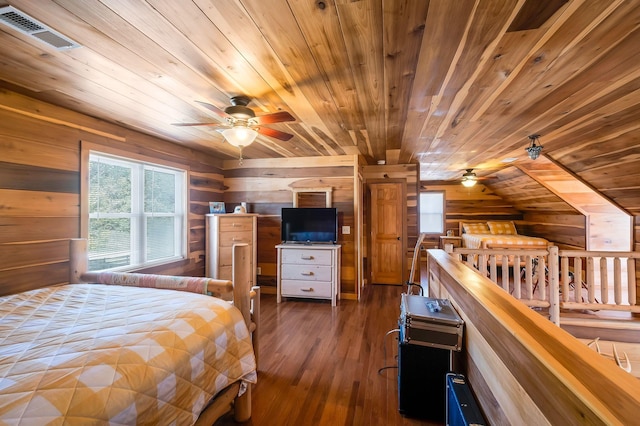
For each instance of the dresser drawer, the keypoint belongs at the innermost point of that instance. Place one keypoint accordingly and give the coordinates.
(306, 272)
(236, 224)
(228, 239)
(306, 257)
(306, 288)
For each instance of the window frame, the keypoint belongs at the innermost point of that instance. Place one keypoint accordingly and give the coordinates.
(88, 148)
(444, 212)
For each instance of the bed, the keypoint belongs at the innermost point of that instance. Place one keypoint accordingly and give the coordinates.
(496, 234)
(129, 348)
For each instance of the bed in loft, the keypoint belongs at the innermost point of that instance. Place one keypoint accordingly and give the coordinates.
(496, 234)
(129, 348)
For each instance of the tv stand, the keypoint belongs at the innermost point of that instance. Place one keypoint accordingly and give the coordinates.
(309, 271)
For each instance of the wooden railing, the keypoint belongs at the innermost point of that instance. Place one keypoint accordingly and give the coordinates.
(522, 369)
(598, 280)
(559, 279)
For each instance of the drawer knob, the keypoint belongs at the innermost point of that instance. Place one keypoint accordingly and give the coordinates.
(306, 257)
(307, 273)
(307, 289)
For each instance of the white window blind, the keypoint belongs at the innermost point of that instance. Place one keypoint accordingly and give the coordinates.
(432, 212)
(136, 213)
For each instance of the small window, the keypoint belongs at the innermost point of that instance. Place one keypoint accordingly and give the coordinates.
(136, 213)
(432, 212)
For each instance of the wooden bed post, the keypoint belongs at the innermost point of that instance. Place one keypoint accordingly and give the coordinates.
(255, 310)
(241, 280)
(78, 259)
(241, 277)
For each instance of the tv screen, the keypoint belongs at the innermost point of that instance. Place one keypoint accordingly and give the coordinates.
(309, 225)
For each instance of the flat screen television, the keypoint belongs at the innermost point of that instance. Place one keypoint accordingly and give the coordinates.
(309, 225)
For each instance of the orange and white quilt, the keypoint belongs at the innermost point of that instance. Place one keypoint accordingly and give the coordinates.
(107, 354)
(480, 241)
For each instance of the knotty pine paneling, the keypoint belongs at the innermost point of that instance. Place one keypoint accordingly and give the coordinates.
(567, 231)
(40, 189)
(265, 185)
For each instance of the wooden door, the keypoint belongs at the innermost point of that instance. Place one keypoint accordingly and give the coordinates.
(387, 233)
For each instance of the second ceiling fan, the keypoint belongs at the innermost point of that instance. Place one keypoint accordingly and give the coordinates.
(241, 124)
(469, 178)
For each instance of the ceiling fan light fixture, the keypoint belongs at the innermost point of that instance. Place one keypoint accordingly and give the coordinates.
(533, 150)
(240, 136)
(469, 178)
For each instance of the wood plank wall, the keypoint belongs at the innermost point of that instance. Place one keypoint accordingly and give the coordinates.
(266, 186)
(409, 174)
(40, 189)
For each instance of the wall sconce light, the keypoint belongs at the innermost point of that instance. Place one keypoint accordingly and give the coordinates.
(533, 150)
(469, 178)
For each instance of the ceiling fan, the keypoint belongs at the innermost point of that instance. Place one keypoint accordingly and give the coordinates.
(241, 124)
(469, 178)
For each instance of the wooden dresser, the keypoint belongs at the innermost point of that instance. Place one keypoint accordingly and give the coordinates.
(309, 271)
(223, 231)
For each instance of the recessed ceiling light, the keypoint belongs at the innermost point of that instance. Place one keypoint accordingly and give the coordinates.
(509, 159)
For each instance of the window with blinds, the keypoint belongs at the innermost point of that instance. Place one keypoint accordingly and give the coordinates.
(136, 213)
(432, 212)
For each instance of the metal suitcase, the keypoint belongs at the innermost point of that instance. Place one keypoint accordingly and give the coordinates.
(430, 322)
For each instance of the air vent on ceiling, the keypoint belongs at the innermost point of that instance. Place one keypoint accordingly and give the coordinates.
(24, 23)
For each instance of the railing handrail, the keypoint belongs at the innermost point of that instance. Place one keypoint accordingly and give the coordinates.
(585, 253)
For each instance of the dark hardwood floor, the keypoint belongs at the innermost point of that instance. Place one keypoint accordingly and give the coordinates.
(321, 365)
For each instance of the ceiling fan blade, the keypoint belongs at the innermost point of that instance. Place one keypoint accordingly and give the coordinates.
(214, 109)
(276, 117)
(274, 133)
(199, 124)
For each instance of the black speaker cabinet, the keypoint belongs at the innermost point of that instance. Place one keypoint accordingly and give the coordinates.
(422, 372)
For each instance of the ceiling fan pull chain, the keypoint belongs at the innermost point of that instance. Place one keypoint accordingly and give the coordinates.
(240, 160)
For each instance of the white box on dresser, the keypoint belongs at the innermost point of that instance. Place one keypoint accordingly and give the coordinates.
(222, 232)
(309, 271)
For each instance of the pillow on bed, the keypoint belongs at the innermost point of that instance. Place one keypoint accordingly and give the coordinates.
(475, 228)
(502, 228)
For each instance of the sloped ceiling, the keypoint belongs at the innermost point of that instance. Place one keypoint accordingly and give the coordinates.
(447, 84)
(526, 194)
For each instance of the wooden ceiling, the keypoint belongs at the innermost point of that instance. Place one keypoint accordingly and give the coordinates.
(449, 84)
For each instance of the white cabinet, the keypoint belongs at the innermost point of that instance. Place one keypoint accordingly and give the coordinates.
(223, 231)
(309, 271)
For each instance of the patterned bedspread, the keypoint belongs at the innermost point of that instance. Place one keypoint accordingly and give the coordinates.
(89, 353)
(477, 241)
